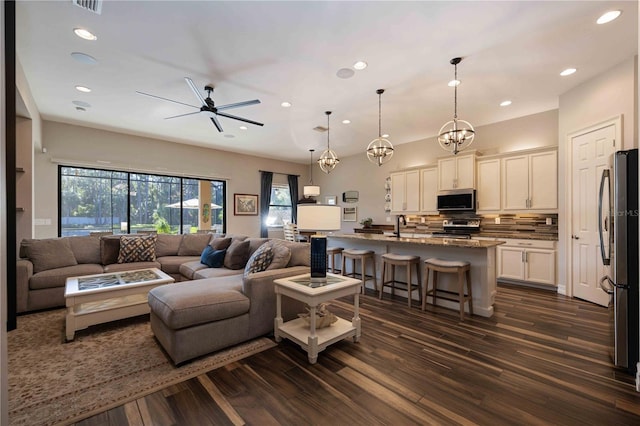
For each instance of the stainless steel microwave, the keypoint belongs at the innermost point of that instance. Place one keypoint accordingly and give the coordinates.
(457, 200)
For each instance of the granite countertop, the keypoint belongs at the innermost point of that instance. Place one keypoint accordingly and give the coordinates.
(427, 241)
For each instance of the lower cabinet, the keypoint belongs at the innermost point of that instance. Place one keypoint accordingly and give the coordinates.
(528, 260)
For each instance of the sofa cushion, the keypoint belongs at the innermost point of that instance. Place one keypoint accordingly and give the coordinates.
(255, 243)
(193, 244)
(117, 267)
(50, 253)
(220, 243)
(171, 264)
(215, 273)
(137, 249)
(212, 258)
(259, 260)
(300, 253)
(180, 305)
(109, 249)
(58, 277)
(188, 269)
(281, 255)
(237, 255)
(168, 244)
(86, 249)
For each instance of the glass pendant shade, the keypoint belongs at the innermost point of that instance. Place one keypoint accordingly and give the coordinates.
(379, 150)
(328, 159)
(456, 134)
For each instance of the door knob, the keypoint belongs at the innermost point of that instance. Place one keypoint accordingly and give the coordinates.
(575, 237)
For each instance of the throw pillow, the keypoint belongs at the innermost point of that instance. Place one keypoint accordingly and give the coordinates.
(193, 244)
(109, 249)
(137, 249)
(50, 253)
(259, 260)
(237, 255)
(212, 258)
(220, 243)
(281, 255)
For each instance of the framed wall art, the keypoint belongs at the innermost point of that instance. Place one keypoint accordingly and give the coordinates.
(245, 204)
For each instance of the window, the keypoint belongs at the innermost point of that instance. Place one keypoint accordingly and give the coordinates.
(112, 201)
(280, 206)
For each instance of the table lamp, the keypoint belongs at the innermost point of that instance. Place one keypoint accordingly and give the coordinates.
(318, 217)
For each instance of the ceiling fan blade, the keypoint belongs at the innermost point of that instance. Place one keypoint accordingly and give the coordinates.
(238, 104)
(165, 99)
(182, 115)
(195, 90)
(216, 123)
(246, 120)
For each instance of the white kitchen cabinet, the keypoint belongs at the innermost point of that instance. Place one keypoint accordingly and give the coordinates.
(530, 181)
(457, 172)
(405, 192)
(532, 261)
(488, 192)
(428, 195)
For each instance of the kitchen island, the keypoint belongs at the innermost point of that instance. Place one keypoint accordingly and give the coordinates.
(481, 254)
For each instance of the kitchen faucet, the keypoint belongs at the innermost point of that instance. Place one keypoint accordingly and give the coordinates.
(404, 221)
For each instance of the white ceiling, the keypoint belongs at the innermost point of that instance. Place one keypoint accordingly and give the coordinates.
(291, 51)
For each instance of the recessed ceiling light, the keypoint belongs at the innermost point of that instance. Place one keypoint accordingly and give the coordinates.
(243, 127)
(453, 83)
(84, 58)
(608, 17)
(360, 65)
(346, 121)
(85, 34)
(386, 135)
(81, 103)
(568, 71)
(285, 104)
(83, 89)
(345, 73)
(505, 103)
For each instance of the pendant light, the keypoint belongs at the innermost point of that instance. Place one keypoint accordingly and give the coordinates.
(311, 190)
(380, 150)
(456, 135)
(328, 160)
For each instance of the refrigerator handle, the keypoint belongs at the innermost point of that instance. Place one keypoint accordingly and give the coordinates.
(608, 290)
(606, 257)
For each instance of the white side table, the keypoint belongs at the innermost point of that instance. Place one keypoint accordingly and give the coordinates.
(300, 288)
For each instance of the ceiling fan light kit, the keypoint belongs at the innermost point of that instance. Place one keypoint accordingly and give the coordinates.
(456, 134)
(380, 150)
(328, 160)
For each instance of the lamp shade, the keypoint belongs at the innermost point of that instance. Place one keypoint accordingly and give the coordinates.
(318, 217)
(311, 190)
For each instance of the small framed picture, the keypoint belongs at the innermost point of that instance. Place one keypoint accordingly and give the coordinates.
(332, 200)
(245, 204)
(349, 214)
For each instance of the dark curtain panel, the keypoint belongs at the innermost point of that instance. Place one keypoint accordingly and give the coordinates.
(265, 199)
(293, 192)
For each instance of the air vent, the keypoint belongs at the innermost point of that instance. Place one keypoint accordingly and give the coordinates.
(94, 6)
(320, 129)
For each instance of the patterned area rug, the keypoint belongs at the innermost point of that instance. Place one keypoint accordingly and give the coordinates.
(51, 382)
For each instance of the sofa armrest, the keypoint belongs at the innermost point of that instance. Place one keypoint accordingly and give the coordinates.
(260, 284)
(24, 272)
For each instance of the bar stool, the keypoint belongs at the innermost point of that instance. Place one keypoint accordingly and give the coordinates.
(333, 251)
(406, 261)
(362, 256)
(459, 267)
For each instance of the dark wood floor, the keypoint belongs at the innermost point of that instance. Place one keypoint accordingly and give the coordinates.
(542, 359)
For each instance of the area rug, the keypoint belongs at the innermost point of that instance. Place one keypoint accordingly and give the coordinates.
(51, 382)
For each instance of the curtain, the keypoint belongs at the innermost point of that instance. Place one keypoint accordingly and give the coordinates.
(293, 192)
(265, 199)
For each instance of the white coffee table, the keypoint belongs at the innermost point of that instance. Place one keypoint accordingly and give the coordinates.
(306, 335)
(95, 299)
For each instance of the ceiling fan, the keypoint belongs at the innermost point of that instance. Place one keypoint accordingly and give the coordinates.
(209, 106)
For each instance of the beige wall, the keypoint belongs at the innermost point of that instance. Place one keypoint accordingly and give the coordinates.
(604, 97)
(75, 145)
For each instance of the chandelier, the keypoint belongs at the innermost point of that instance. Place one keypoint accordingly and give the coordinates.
(311, 190)
(380, 150)
(328, 160)
(456, 135)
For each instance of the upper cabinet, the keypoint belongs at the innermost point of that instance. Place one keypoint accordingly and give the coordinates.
(530, 181)
(488, 185)
(405, 192)
(457, 172)
(428, 200)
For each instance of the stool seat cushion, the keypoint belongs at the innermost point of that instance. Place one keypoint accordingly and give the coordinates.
(356, 252)
(401, 257)
(446, 263)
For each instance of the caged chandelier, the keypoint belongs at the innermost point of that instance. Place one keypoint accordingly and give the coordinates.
(456, 135)
(328, 160)
(380, 150)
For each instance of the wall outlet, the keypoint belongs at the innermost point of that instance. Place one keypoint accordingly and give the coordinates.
(497, 221)
(549, 221)
(422, 220)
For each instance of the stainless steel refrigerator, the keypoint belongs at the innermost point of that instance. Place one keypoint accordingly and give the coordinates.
(619, 194)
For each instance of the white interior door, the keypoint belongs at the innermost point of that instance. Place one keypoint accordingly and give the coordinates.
(591, 155)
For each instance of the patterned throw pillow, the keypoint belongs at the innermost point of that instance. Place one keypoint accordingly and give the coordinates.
(137, 249)
(212, 258)
(259, 260)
